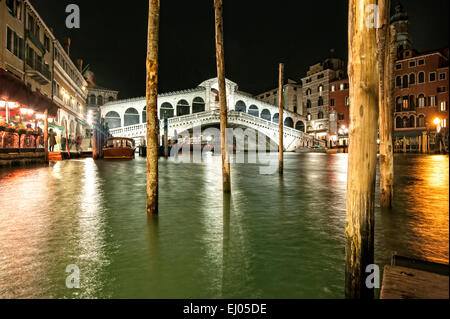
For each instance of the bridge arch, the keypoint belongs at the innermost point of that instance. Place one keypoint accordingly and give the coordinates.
(276, 118)
(166, 110)
(253, 110)
(183, 108)
(266, 115)
(198, 105)
(240, 107)
(131, 117)
(289, 122)
(300, 126)
(113, 120)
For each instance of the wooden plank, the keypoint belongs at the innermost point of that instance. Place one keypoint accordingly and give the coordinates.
(407, 283)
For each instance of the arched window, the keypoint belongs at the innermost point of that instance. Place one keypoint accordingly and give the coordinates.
(412, 79)
(308, 104)
(320, 89)
(113, 120)
(183, 108)
(300, 126)
(111, 99)
(320, 103)
(421, 101)
(398, 104)
(100, 100)
(398, 82)
(289, 122)
(320, 115)
(198, 105)
(131, 117)
(405, 81)
(308, 92)
(421, 121)
(253, 110)
(276, 118)
(412, 102)
(398, 122)
(405, 122)
(421, 77)
(412, 121)
(309, 117)
(310, 129)
(92, 99)
(265, 114)
(240, 107)
(166, 110)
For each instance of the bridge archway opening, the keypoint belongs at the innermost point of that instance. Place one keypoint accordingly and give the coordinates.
(300, 126)
(240, 107)
(198, 105)
(166, 110)
(183, 108)
(276, 118)
(253, 110)
(131, 117)
(289, 122)
(265, 114)
(113, 120)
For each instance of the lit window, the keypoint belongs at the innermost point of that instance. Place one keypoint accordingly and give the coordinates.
(333, 88)
(347, 100)
(442, 76)
(443, 107)
(432, 100)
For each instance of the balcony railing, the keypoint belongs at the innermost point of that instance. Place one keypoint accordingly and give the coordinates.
(43, 75)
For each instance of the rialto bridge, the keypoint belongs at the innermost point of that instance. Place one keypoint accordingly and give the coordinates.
(199, 107)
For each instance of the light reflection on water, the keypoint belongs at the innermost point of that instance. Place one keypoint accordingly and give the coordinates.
(274, 238)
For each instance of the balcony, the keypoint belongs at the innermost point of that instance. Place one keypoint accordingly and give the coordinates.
(38, 71)
(30, 35)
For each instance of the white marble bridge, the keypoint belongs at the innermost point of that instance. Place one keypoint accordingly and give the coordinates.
(200, 108)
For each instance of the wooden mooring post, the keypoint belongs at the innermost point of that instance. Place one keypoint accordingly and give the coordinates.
(152, 112)
(46, 136)
(281, 116)
(220, 56)
(362, 69)
(387, 52)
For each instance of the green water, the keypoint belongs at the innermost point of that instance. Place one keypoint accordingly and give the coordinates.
(277, 237)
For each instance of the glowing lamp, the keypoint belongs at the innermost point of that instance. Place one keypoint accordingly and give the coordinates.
(437, 121)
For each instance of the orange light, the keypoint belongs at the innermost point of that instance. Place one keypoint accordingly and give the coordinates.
(437, 121)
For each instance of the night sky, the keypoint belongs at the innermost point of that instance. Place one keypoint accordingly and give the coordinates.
(258, 35)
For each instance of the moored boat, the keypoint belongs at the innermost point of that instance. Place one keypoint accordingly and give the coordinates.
(119, 148)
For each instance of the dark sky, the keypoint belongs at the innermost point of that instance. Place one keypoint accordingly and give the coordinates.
(258, 35)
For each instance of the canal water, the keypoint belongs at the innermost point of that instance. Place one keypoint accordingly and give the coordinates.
(275, 238)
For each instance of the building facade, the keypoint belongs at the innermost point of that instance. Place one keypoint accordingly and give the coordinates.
(292, 97)
(315, 91)
(421, 92)
(69, 92)
(339, 108)
(26, 45)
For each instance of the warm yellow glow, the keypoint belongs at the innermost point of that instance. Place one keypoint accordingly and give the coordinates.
(26, 111)
(2, 103)
(437, 121)
(13, 105)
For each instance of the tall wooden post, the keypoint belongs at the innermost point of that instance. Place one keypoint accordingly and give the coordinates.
(152, 112)
(166, 138)
(281, 116)
(387, 51)
(359, 231)
(46, 135)
(220, 55)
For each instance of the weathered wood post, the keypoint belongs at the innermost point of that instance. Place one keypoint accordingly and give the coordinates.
(46, 135)
(281, 116)
(152, 110)
(362, 161)
(220, 56)
(387, 51)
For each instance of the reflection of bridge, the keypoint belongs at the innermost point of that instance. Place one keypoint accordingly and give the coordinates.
(199, 107)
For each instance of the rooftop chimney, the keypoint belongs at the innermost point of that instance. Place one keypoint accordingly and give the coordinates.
(66, 45)
(80, 65)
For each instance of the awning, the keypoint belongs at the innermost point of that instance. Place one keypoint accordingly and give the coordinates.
(409, 133)
(15, 90)
(81, 122)
(52, 125)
